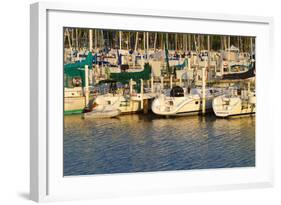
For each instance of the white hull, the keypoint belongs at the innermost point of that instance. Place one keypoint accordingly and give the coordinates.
(74, 104)
(230, 106)
(74, 101)
(125, 105)
(103, 112)
(180, 106)
(186, 104)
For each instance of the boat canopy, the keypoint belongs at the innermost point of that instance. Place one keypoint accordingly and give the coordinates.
(177, 91)
(77, 70)
(124, 77)
(251, 72)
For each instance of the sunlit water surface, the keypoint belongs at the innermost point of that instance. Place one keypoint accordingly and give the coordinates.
(142, 143)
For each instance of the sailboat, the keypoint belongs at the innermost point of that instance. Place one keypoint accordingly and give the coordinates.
(124, 103)
(74, 85)
(235, 104)
(240, 71)
(181, 102)
(116, 97)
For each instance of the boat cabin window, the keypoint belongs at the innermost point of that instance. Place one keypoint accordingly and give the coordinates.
(113, 87)
(226, 103)
(109, 102)
(225, 69)
(196, 102)
(239, 92)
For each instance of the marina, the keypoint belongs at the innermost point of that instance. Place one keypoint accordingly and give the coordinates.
(138, 101)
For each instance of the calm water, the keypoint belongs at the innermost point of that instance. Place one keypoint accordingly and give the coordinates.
(140, 143)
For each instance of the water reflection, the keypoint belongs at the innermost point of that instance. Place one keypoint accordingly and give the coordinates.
(139, 143)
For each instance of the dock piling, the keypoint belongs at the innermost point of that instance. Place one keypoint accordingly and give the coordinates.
(131, 86)
(204, 89)
(188, 63)
(162, 82)
(86, 86)
(152, 87)
(145, 106)
(141, 93)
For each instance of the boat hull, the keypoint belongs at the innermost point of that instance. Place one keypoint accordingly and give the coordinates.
(125, 105)
(233, 106)
(102, 113)
(182, 106)
(74, 105)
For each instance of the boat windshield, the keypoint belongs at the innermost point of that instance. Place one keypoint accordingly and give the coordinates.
(108, 87)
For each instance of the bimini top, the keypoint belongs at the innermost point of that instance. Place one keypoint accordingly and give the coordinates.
(177, 91)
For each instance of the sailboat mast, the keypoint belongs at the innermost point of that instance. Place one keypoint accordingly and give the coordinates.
(120, 40)
(209, 54)
(155, 41)
(90, 40)
(96, 39)
(176, 42)
(76, 38)
(143, 41)
(147, 41)
(189, 42)
(251, 45)
(136, 42)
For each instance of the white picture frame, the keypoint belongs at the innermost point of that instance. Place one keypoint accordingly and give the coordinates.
(46, 179)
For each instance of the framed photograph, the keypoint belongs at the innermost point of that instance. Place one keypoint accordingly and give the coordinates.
(131, 102)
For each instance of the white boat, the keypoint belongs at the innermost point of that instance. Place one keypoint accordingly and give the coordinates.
(234, 104)
(102, 111)
(182, 103)
(123, 103)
